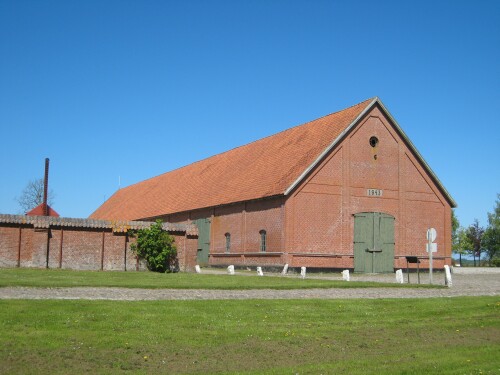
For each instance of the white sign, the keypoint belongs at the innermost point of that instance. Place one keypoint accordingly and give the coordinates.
(434, 247)
(431, 234)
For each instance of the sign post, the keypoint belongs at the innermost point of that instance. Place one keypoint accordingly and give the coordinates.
(431, 236)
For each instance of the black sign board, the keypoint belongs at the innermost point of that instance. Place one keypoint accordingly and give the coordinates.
(412, 260)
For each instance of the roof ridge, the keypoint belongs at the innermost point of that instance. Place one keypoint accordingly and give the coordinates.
(369, 100)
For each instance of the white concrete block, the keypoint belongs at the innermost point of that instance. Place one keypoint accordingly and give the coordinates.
(303, 272)
(285, 270)
(345, 275)
(447, 274)
(399, 276)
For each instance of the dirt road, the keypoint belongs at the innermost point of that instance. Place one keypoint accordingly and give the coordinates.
(464, 284)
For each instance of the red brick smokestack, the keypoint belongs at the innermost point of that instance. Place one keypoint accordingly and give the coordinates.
(45, 188)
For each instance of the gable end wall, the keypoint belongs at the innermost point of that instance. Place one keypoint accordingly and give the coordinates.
(319, 211)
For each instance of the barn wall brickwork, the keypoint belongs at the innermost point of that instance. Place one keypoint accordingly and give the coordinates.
(79, 248)
(319, 213)
(243, 222)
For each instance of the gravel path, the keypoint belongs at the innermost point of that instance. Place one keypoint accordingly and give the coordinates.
(476, 284)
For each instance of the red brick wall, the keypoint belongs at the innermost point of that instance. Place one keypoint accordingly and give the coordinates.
(82, 249)
(229, 219)
(9, 245)
(114, 251)
(244, 222)
(33, 248)
(264, 215)
(186, 250)
(55, 248)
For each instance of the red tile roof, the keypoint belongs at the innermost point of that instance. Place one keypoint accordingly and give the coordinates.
(38, 211)
(264, 168)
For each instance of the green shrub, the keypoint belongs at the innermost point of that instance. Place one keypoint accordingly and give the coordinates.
(156, 247)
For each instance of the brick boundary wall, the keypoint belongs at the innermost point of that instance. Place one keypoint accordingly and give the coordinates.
(82, 244)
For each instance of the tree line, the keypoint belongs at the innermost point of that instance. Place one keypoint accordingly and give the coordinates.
(476, 240)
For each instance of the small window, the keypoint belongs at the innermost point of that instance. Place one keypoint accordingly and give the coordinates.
(228, 242)
(373, 141)
(263, 240)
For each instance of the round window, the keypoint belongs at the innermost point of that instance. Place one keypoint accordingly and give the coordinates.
(373, 141)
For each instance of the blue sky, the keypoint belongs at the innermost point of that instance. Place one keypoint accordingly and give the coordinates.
(125, 90)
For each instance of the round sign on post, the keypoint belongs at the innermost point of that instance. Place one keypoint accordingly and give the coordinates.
(431, 234)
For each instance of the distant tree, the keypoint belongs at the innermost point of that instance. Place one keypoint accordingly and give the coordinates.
(156, 247)
(455, 225)
(491, 239)
(457, 237)
(463, 244)
(32, 195)
(475, 235)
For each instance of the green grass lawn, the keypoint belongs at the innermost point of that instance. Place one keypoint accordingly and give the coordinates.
(152, 280)
(411, 336)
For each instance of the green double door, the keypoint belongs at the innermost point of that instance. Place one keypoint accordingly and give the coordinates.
(373, 242)
(203, 241)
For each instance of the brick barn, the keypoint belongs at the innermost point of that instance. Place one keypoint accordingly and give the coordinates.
(348, 190)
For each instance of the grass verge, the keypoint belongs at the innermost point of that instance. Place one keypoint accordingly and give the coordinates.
(53, 278)
(411, 336)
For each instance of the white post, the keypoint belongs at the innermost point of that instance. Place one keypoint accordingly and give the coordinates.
(429, 241)
(197, 269)
(399, 276)
(345, 275)
(447, 275)
(230, 270)
(285, 270)
(303, 272)
(259, 271)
